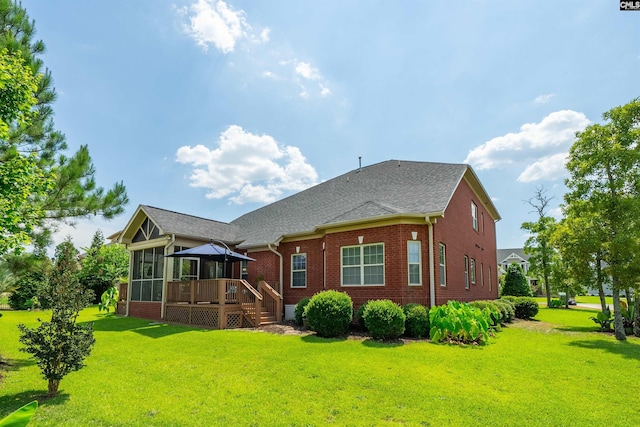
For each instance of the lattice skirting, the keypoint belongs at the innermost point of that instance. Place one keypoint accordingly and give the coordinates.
(207, 315)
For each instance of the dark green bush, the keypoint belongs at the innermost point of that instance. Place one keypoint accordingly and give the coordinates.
(26, 289)
(298, 313)
(417, 321)
(525, 307)
(329, 313)
(515, 282)
(384, 319)
(507, 310)
(360, 316)
(494, 311)
(556, 303)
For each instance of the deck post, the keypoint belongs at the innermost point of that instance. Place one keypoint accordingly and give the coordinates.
(192, 290)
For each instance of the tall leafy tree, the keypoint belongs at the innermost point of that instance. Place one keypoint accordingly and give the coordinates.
(103, 265)
(604, 179)
(538, 245)
(74, 192)
(61, 345)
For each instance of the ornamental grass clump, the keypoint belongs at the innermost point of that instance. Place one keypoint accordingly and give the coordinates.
(384, 319)
(329, 313)
(459, 322)
(416, 324)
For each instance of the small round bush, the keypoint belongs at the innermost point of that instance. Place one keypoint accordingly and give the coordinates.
(507, 310)
(298, 313)
(526, 307)
(417, 320)
(360, 316)
(329, 313)
(384, 319)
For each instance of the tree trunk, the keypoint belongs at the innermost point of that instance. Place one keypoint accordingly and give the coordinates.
(618, 324)
(636, 317)
(603, 301)
(53, 387)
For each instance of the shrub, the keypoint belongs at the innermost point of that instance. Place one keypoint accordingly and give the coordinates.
(329, 313)
(556, 303)
(507, 310)
(515, 282)
(525, 307)
(417, 321)
(460, 322)
(22, 296)
(494, 311)
(298, 312)
(360, 316)
(384, 319)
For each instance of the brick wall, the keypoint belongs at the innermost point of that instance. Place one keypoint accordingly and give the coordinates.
(455, 230)
(145, 310)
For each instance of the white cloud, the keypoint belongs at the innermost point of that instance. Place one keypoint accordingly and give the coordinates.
(307, 71)
(218, 24)
(543, 99)
(324, 91)
(247, 168)
(533, 145)
(548, 167)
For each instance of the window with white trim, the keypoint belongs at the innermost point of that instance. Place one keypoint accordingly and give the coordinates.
(474, 216)
(299, 270)
(466, 272)
(414, 260)
(489, 279)
(472, 267)
(362, 265)
(443, 265)
(482, 274)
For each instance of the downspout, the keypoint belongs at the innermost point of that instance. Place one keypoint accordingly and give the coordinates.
(126, 310)
(281, 265)
(432, 277)
(165, 274)
(324, 266)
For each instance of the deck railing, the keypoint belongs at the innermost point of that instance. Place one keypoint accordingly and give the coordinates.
(272, 300)
(218, 291)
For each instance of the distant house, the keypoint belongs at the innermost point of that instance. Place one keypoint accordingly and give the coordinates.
(507, 257)
(400, 230)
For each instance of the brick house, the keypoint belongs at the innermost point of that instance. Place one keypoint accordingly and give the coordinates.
(401, 230)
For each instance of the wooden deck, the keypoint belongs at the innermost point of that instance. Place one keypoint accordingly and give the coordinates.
(222, 303)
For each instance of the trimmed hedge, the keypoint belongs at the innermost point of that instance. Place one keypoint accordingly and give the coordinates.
(525, 307)
(507, 310)
(329, 313)
(298, 313)
(416, 324)
(384, 319)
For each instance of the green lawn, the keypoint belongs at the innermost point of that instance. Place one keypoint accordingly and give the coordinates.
(554, 371)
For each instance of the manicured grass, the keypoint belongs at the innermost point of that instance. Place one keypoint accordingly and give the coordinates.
(580, 299)
(552, 371)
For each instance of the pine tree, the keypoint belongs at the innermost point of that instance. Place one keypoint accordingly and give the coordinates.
(515, 282)
(74, 193)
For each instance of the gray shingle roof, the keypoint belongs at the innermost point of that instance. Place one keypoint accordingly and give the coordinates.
(391, 187)
(503, 254)
(190, 226)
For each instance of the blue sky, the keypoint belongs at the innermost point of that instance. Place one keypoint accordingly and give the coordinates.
(215, 108)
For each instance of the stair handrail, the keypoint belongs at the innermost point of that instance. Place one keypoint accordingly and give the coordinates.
(275, 296)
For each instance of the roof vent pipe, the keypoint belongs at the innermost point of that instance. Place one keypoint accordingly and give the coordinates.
(359, 163)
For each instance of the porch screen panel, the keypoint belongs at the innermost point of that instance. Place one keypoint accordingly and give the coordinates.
(146, 277)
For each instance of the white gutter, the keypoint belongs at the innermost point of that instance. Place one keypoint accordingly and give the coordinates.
(432, 276)
(281, 265)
